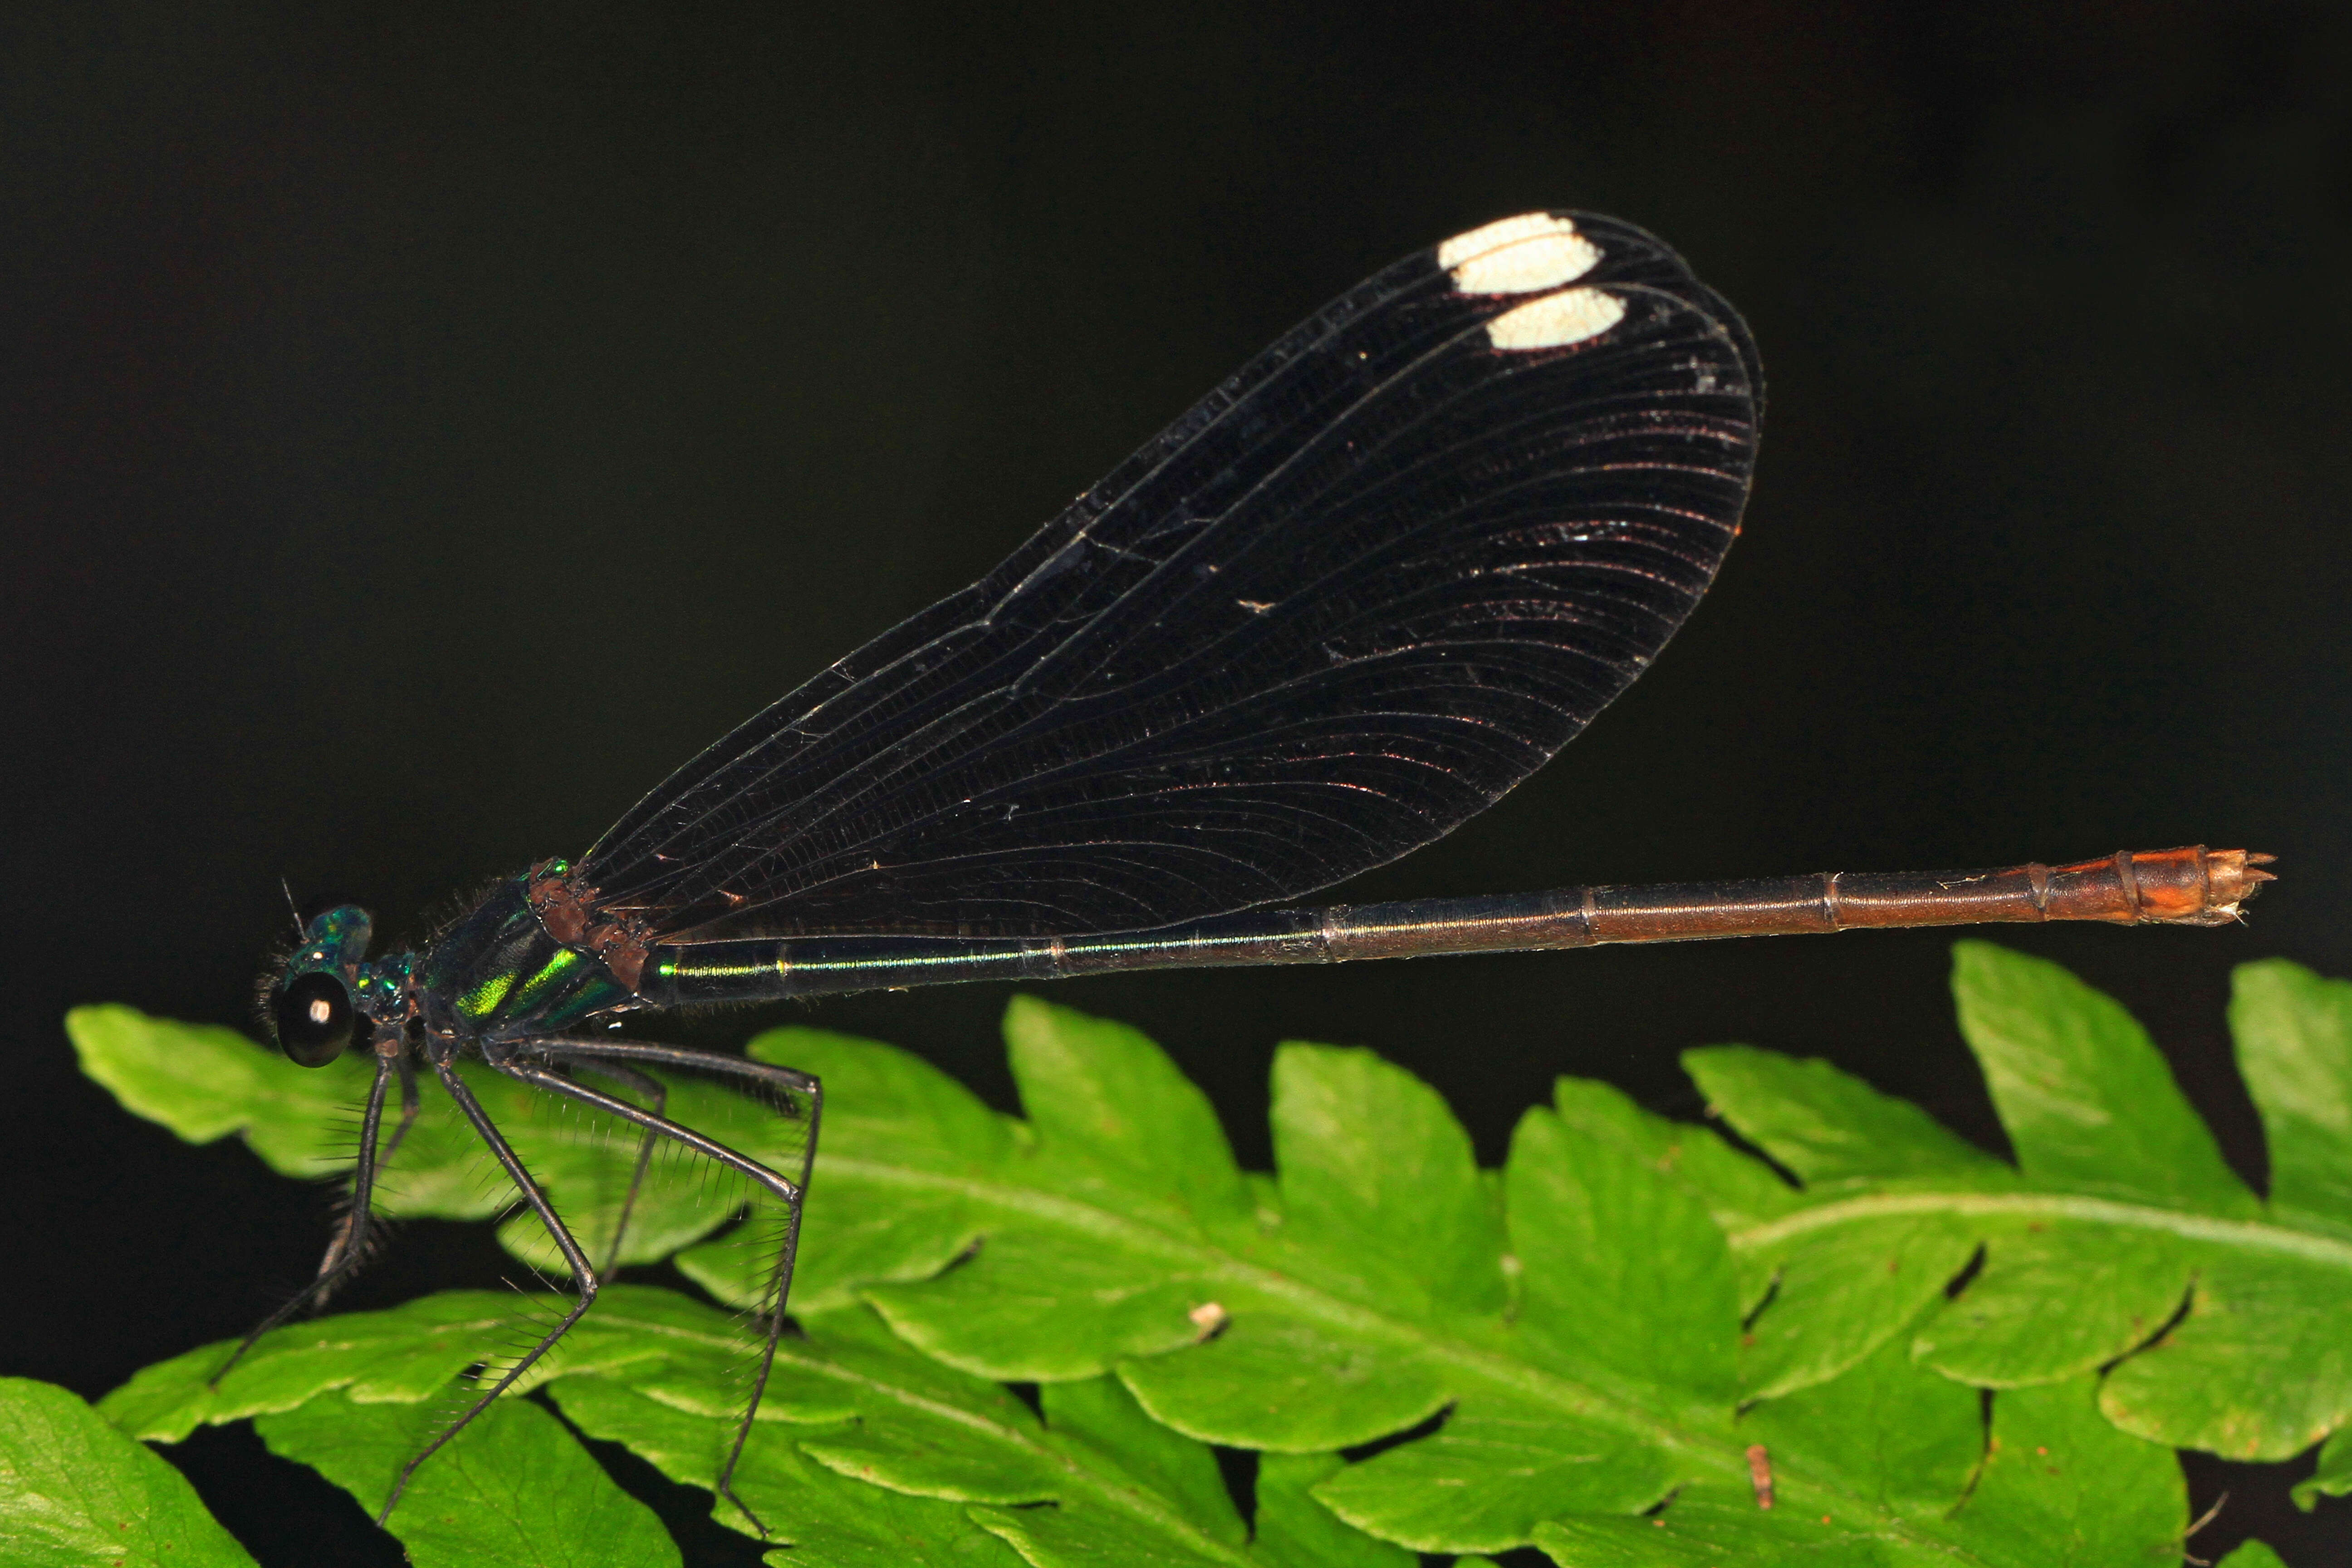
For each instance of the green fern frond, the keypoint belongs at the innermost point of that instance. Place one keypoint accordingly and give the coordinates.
(1633, 1344)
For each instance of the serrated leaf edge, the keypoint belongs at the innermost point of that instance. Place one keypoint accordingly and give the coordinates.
(1725, 1459)
(1132, 1501)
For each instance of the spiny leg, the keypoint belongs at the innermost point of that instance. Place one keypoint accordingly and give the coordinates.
(353, 1231)
(653, 1088)
(780, 1286)
(788, 1192)
(792, 1083)
(344, 1252)
(573, 1257)
(409, 1102)
(579, 1047)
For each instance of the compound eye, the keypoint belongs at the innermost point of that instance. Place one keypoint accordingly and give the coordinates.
(314, 1019)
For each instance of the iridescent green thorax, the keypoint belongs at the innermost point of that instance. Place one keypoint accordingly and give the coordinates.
(500, 973)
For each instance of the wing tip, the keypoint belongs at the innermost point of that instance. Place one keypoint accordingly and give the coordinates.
(1518, 255)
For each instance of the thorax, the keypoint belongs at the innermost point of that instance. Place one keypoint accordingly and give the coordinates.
(506, 971)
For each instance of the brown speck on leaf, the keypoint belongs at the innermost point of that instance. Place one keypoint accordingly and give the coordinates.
(1208, 1317)
(1894, 1264)
(2040, 1450)
(1760, 1474)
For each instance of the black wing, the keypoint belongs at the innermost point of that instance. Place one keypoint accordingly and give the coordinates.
(1341, 606)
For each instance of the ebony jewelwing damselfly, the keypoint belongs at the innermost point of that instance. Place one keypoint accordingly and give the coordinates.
(1338, 607)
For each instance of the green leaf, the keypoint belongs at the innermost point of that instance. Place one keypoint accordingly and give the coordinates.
(2119, 1214)
(1494, 1473)
(2055, 1300)
(2294, 1047)
(1829, 1128)
(2057, 1488)
(1109, 1107)
(2252, 1554)
(1581, 1348)
(2334, 1476)
(821, 1518)
(1627, 1279)
(866, 1452)
(1844, 1279)
(1904, 1441)
(75, 1492)
(408, 1355)
(884, 1108)
(2260, 1367)
(1409, 1214)
(1287, 1381)
(1164, 1500)
(1606, 1384)
(514, 1487)
(2083, 1094)
(584, 1160)
(1737, 1191)
(1293, 1530)
(204, 1082)
(1100, 1421)
(2060, 1486)
(404, 1355)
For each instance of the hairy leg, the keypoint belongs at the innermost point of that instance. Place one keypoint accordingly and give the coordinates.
(787, 1191)
(576, 1259)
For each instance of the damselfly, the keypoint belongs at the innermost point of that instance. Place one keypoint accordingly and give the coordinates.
(1336, 609)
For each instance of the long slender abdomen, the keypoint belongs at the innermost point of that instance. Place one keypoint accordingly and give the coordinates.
(2174, 887)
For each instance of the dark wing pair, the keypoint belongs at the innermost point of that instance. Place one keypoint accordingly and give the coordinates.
(1343, 604)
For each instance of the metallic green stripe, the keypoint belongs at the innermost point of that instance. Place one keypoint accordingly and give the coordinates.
(484, 999)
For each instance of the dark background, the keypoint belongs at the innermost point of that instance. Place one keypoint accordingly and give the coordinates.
(423, 431)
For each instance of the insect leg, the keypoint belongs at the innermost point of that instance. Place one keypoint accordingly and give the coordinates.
(408, 1106)
(353, 1234)
(655, 1090)
(785, 1190)
(725, 1064)
(344, 1252)
(576, 1259)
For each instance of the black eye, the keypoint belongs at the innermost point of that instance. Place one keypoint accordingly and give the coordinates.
(314, 1019)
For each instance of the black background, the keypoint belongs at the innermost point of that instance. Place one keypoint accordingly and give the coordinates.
(422, 431)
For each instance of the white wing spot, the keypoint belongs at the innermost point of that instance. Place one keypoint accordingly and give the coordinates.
(1556, 319)
(1542, 261)
(1462, 247)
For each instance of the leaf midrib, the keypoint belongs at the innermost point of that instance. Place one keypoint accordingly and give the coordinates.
(2250, 1235)
(1727, 1460)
